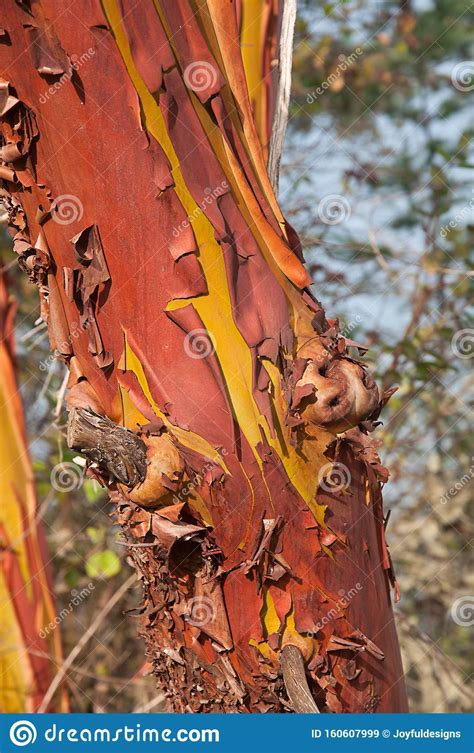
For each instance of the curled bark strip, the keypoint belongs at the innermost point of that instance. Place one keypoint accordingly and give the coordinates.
(114, 448)
(296, 684)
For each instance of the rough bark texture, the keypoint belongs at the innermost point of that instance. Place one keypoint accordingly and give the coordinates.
(176, 293)
(296, 684)
(29, 651)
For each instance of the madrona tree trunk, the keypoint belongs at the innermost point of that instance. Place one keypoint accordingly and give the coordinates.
(30, 648)
(207, 388)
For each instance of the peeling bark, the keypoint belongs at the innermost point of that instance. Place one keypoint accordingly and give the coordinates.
(208, 389)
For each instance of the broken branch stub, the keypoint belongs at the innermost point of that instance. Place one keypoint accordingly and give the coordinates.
(149, 469)
(115, 449)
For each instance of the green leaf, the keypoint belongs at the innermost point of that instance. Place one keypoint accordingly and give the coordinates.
(96, 535)
(72, 577)
(103, 564)
(92, 490)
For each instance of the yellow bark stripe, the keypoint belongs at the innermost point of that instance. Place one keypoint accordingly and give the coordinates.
(18, 511)
(215, 309)
(251, 45)
(132, 416)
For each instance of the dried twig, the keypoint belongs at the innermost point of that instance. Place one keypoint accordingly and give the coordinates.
(67, 663)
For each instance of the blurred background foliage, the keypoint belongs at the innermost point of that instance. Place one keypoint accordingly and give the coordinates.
(376, 179)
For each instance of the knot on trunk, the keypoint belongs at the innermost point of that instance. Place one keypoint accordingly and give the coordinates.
(336, 393)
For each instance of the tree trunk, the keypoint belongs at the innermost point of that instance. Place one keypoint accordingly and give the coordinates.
(30, 646)
(207, 388)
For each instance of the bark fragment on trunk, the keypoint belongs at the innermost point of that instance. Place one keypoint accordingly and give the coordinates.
(177, 295)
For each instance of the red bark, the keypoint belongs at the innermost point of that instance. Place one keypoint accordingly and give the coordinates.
(177, 295)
